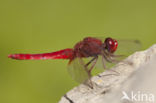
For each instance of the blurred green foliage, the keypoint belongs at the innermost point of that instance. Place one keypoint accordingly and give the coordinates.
(37, 26)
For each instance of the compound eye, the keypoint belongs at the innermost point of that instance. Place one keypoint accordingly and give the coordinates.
(111, 45)
(115, 43)
(110, 42)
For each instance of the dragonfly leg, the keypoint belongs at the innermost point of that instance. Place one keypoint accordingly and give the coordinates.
(107, 75)
(103, 62)
(109, 60)
(94, 62)
(113, 55)
(86, 65)
(117, 73)
(113, 60)
(89, 72)
(89, 82)
(106, 57)
(91, 61)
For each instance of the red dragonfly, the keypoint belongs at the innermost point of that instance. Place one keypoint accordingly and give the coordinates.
(88, 47)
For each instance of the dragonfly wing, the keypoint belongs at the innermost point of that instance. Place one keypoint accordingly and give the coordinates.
(78, 71)
(102, 64)
(127, 47)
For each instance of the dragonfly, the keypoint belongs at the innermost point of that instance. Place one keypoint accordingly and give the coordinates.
(90, 47)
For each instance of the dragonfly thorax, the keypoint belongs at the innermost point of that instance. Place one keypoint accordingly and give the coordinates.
(88, 47)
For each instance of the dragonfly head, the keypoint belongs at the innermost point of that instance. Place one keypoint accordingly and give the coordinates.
(110, 45)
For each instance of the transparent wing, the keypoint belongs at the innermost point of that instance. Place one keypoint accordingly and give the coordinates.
(127, 47)
(78, 71)
(102, 64)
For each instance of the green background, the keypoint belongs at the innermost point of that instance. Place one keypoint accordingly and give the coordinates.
(37, 26)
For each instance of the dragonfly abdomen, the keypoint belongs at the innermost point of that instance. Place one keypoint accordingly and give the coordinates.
(62, 54)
